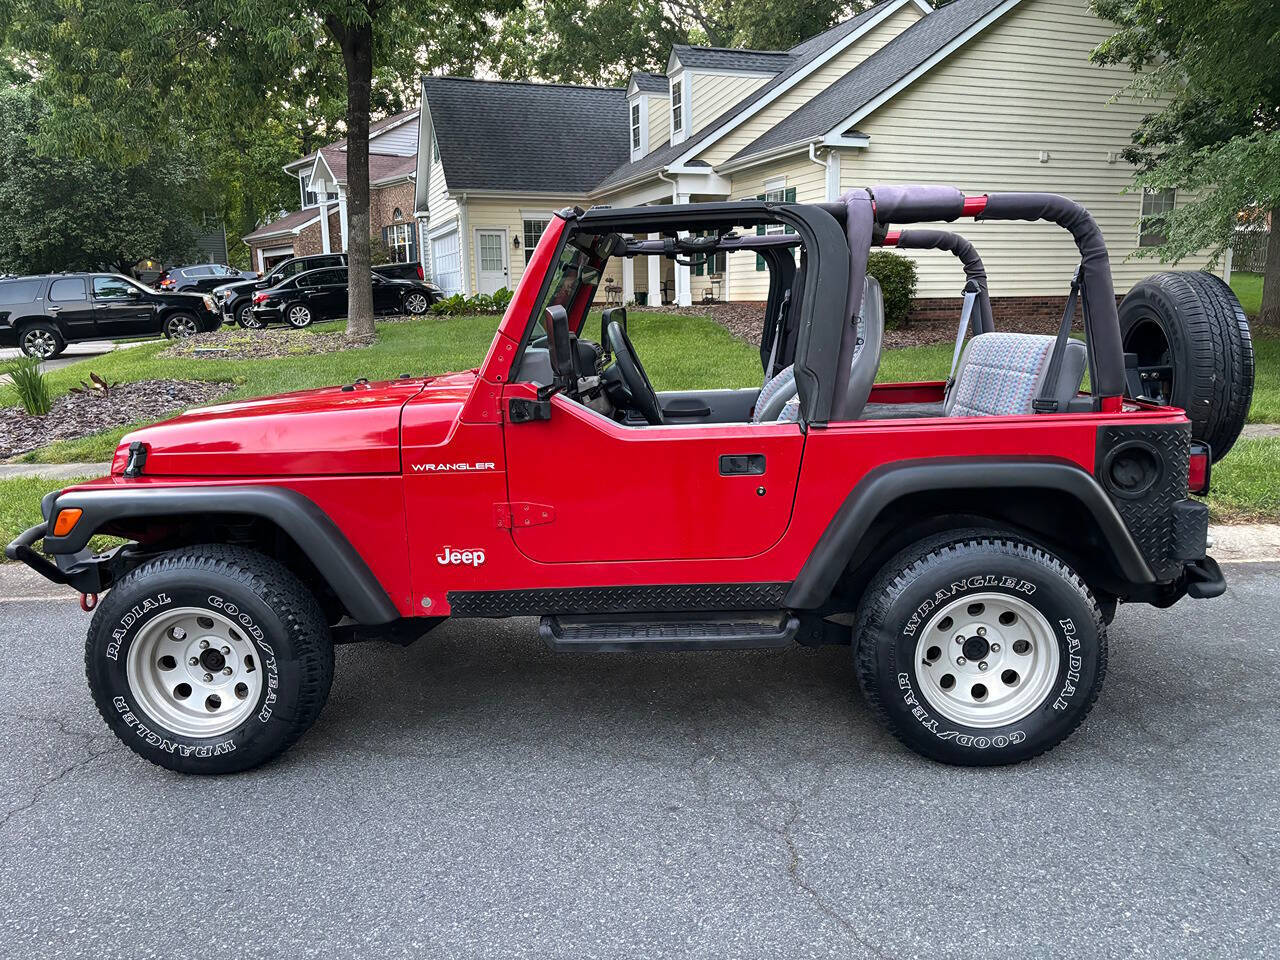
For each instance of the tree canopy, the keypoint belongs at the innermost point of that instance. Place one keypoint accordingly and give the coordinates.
(1215, 136)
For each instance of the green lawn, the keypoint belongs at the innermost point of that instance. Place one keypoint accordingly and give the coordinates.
(1248, 290)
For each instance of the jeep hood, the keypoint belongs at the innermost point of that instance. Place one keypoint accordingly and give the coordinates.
(351, 429)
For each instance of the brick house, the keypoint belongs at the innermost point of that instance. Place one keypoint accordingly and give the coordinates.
(319, 225)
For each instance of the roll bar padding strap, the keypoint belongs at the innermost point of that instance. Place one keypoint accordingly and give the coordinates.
(1102, 322)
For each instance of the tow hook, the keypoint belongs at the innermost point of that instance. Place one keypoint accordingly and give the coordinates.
(88, 601)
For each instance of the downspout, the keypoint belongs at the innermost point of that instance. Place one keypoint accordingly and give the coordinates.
(831, 167)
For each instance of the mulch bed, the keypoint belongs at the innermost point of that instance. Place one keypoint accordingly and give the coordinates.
(81, 414)
(746, 322)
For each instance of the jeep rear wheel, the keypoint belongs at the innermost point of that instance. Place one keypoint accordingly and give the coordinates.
(979, 649)
(209, 659)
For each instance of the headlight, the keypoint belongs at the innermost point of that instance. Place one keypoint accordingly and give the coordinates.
(209, 304)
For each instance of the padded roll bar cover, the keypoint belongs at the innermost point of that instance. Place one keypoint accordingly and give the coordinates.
(916, 203)
(1095, 275)
(859, 223)
(924, 239)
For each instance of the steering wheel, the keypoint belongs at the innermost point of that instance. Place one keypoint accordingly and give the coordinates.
(642, 393)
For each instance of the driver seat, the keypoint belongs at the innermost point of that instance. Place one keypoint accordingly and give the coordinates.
(779, 400)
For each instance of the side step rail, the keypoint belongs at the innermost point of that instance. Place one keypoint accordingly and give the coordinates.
(710, 631)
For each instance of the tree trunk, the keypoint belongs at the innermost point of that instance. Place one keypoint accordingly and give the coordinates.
(1270, 312)
(357, 55)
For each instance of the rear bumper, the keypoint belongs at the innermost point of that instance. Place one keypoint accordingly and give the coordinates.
(267, 314)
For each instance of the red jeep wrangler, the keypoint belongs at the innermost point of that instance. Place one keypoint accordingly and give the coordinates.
(969, 538)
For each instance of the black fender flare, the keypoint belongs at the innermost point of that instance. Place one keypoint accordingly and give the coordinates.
(311, 529)
(883, 485)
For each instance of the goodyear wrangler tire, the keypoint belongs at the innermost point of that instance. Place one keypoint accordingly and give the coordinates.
(979, 649)
(209, 659)
(1194, 351)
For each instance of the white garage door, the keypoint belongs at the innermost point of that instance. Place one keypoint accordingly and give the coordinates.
(446, 263)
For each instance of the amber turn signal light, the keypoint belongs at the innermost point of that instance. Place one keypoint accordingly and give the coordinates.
(67, 519)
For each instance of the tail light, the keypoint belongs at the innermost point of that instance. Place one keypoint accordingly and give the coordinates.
(166, 283)
(259, 298)
(1201, 467)
(420, 276)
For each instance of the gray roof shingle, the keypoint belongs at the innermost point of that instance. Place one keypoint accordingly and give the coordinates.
(285, 224)
(799, 56)
(651, 82)
(731, 58)
(526, 137)
(880, 71)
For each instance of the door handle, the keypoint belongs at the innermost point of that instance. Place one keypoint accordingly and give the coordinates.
(53, 308)
(741, 464)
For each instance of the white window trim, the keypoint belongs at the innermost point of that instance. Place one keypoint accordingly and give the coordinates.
(684, 78)
(641, 101)
(546, 215)
(776, 185)
(1142, 203)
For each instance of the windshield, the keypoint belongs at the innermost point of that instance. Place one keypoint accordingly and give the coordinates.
(573, 281)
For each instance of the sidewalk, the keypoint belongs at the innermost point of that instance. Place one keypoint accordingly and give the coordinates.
(54, 471)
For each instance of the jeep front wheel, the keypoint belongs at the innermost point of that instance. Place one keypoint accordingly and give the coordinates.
(979, 649)
(209, 659)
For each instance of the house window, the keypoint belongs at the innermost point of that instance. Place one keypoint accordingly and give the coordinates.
(1155, 203)
(400, 239)
(775, 191)
(677, 106)
(533, 229)
(635, 125)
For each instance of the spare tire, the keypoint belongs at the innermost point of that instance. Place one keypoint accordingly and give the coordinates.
(1194, 351)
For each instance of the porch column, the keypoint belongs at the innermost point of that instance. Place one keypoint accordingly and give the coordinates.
(684, 296)
(655, 276)
(342, 215)
(325, 246)
(628, 280)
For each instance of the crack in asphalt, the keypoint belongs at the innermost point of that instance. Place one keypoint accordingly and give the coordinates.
(89, 739)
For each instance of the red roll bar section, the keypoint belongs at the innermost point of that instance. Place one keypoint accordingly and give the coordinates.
(973, 206)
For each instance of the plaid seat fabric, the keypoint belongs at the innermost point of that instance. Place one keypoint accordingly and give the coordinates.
(785, 379)
(1000, 375)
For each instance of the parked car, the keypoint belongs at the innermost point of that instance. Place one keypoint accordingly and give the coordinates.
(200, 277)
(236, 299)
(42, 314)
(968, 540)
(322, 295)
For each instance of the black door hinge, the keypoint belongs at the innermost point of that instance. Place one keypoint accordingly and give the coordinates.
(137, 459)
(521, 410)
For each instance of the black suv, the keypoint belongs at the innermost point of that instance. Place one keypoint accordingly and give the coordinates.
(322, 295)
(200, 277)
(236, 299)
(43, 314)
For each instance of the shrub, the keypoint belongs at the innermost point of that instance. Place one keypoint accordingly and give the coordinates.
(897, 276)
(30, 385)
(458, 305)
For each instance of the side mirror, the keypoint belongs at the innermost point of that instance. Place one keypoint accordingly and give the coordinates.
(612, 315)
(560, 347)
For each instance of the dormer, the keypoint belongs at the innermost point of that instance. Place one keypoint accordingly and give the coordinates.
(707, 81)
(647, 118)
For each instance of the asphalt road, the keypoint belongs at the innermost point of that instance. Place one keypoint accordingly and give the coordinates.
(477, 796)
(74, 353)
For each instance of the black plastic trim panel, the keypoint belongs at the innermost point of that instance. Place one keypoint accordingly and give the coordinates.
(657, 598)
(310, 528)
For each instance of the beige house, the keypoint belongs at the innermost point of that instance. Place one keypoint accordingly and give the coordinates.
(982, 94)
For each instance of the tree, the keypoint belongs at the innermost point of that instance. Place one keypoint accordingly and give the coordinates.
(70, 213)
(141, 79)
(1216, 135)
(605, 41)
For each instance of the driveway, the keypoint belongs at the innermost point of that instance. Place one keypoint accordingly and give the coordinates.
(475, 795)
(75, 352)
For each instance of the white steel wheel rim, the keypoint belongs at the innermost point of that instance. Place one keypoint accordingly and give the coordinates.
(986, 660)
(194, 673)
(182, 327)
(299, 316)
(39, 343)
(416, 303)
